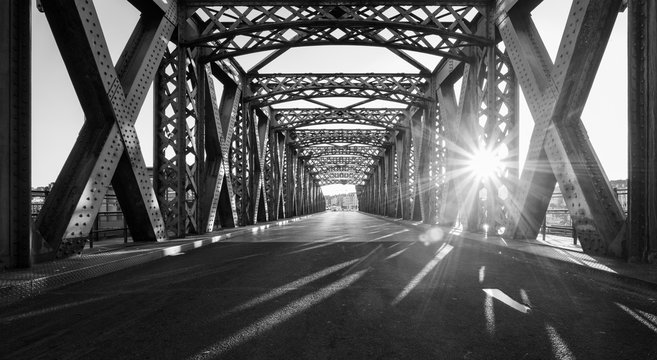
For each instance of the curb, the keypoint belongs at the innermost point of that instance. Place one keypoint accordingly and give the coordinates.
(625, 281)
(37, 284)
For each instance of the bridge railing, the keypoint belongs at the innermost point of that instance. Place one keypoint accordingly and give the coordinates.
(110, 222)
(557, 220)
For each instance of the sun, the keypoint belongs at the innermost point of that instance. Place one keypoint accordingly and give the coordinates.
(485, 164)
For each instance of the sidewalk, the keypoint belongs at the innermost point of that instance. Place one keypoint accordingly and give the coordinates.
(556, 248)
(113, 255)
(106, 256)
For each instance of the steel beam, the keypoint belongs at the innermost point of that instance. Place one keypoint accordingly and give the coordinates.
(259, 139)
(449, 113)
(642, 129)
(559, 147)
(111, 97)
(218, 203)
(15, 141)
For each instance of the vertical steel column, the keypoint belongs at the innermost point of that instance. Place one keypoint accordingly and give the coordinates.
(491, 132)
(181, 126)
(15, 120)
(218, 207)
(277, 149)
(239, 163)
(380, 186)
(260, 195)
(291, 180)
(404, 158)
(468, 186)
(427, 172)
(642, 130)
(449, 114)
(389, 160)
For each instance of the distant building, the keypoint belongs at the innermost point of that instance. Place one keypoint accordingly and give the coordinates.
(342, 202)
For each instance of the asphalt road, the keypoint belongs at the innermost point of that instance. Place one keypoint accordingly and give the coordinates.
(340, 285)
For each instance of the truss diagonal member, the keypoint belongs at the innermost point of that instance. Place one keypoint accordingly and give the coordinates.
(219, 133)
(388, 118)
(329, 151)
(111, 98)
(260, 137)
(270, 89)
(556, 96)
(305, 138)
(419, 28)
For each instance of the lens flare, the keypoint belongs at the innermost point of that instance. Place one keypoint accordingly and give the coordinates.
(485, 164)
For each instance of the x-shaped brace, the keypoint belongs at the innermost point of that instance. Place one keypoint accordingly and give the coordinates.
(218, 177)
(108, 147)
(556, 95)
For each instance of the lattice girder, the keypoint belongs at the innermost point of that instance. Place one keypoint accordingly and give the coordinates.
(388, 118)
(437, 30)
(303, 138)
(276, 88)
(334, 150)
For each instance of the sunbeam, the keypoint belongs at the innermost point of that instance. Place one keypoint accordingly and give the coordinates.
(560, 349)
(644, 320)
(440, 254)
(268, 322)
(489, 313)
(282, 290)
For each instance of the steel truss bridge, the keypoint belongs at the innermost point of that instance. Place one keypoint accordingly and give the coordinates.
(236, 156)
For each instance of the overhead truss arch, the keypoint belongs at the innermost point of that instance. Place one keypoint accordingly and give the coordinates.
(434, 29)
(229, 155)
(272, 89)
(303, 138)
(388, 118)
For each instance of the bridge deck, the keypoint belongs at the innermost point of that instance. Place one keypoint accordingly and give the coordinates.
(338, 285)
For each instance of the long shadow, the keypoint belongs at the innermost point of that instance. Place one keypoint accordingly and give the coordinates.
(402, 300)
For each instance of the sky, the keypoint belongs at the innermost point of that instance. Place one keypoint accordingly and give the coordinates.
(57, 115)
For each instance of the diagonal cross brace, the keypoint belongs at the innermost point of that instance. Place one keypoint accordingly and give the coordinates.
(111, 98)
(218, 176)
(261, 134)
(556, 95)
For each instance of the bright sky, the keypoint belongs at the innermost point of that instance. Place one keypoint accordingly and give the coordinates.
(57, 115)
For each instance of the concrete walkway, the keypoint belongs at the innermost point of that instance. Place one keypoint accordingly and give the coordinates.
(555, 248)
(113, 255)
(105, 257)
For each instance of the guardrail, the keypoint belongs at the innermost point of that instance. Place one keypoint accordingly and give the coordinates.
(109, 223)
(568, 229)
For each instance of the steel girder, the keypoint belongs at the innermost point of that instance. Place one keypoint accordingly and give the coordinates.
(259, 137)
(278, 158)
(334, 150)
(437, 30)
(107, 148)
(218, 207)
(642, 128)
(304, 138)
(340, 2)
(271, 89)
(560, 150)
(179, 141)
(387, 118)
(15, 112)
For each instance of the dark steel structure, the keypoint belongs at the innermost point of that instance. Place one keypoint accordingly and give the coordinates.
(227, 153)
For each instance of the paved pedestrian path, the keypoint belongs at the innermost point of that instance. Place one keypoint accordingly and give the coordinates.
(113, 255)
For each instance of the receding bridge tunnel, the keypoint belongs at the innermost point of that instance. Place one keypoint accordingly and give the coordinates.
(356, 169)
